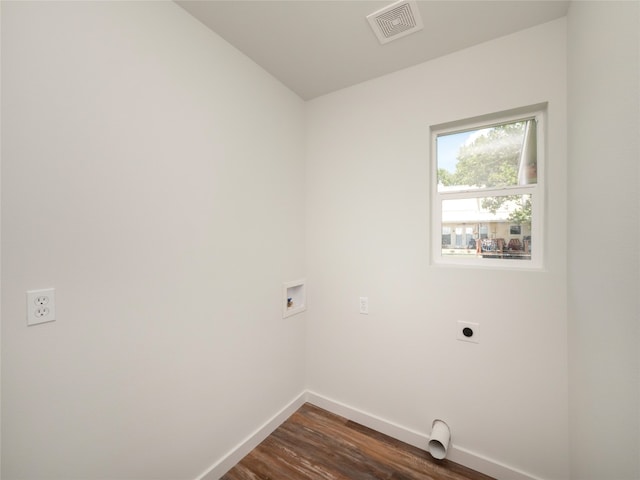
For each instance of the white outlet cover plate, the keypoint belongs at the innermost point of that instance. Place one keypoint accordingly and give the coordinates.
(475, 338)
(41, 306)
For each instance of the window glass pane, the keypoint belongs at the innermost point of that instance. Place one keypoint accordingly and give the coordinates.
(485, 227)
(499, 156)
(446, 236)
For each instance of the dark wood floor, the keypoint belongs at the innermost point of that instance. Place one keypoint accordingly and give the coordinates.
(315, 444)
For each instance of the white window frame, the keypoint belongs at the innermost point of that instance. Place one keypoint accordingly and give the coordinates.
(537, 190)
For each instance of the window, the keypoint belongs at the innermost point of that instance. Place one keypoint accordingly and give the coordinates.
(488, 189)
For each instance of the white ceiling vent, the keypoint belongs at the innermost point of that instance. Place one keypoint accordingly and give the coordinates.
(396, 20)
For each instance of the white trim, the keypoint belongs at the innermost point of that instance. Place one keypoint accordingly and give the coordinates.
(491, 119)
(404, 434)
(420, 440)
(222, 466)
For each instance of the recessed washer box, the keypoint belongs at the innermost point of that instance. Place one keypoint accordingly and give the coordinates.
(294, 298)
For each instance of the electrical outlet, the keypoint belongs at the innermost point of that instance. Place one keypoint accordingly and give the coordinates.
(41, 306)
(364, 305)
(468, 331)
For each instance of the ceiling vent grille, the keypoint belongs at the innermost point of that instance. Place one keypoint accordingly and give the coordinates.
(396, 20)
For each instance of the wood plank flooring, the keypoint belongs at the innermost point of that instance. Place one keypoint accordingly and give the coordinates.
(317, 445)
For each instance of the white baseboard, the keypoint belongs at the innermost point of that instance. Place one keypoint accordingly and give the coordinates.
(417, 439)
(236, 454)
(378, 424)
(420, 440)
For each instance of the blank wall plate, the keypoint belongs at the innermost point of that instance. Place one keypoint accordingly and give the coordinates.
(41, 306)
(468, 331)
(364, 305)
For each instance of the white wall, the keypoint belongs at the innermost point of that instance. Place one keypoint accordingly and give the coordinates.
(367, 235)
(604, 153)
(154, 176)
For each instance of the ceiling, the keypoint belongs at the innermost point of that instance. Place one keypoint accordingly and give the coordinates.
(319, 46)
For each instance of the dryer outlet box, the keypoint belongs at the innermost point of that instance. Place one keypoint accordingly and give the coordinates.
(468, 331)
